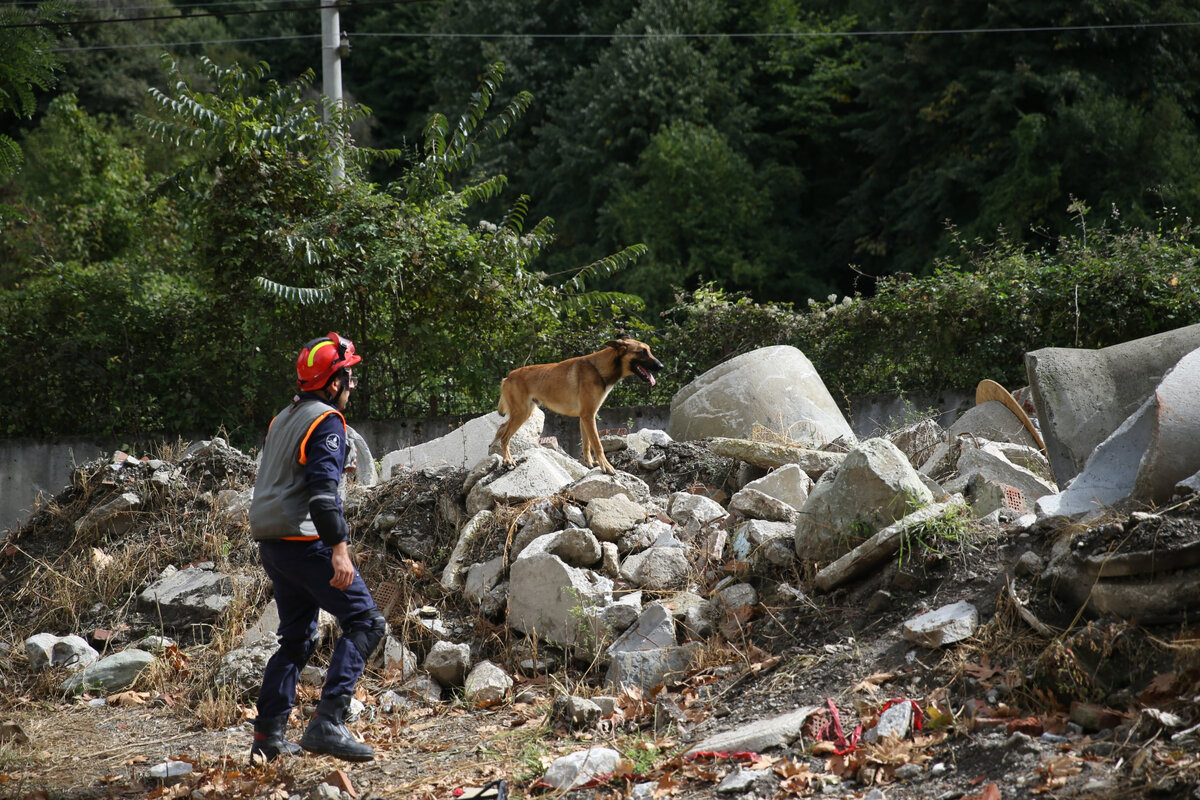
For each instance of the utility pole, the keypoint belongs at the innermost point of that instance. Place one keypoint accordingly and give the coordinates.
(331, 71)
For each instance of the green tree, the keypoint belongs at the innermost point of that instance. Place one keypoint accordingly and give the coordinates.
(612, 111)
(432, 297)
(692, 232)
(81, 198)
(1001, 129)
(27, 65)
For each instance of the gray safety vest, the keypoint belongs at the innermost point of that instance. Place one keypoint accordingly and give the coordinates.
(280, 505)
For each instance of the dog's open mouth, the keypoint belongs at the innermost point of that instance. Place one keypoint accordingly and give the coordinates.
(644, 374)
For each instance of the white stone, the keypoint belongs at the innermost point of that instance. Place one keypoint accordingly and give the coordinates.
(943, 626)
(776, 388)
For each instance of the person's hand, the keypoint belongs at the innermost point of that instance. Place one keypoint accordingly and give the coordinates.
(343, 567)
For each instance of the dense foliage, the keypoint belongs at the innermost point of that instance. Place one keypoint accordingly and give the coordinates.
(974, 318)
(689, 171)
(177, 304)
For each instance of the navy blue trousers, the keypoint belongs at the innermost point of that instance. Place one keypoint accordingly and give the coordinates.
(301, 572)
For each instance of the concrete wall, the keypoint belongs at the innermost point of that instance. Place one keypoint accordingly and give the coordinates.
(29, 468)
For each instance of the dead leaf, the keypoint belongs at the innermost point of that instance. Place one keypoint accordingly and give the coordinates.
(990, 792)
(1164, 686)
(872, 682)
(763, 762)
(982, 672)
(128, 699)
(666, 787)
(340, 780)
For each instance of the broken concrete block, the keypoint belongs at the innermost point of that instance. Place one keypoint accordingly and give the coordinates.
(775, 387)
(946, 625)
(873, 487)
(1146, 457)
(1083, 396)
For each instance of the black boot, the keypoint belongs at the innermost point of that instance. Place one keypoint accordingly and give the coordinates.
(326, 732)
(269, 741)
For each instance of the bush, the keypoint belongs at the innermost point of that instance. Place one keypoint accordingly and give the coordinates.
(963, 323)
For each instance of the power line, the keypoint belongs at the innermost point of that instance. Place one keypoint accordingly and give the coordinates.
(795, 34)
(36, 3)
(177, 17)
(780, 35)
(69, 50)
(588, 36)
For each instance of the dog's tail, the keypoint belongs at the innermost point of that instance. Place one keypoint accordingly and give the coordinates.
(503, 407)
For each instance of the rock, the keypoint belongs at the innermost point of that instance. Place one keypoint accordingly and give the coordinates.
(596, 485)
(482, 578)
(452, 574)
(919, 440)
(486, 685)
(991, 421)
(764, 543)
(110, 674)
(788, 484)
(686, 508)
(1143, 460)
(447, 662)
(113, 519)
(360, 465)
(646, 669)
(71, 652)
(579, 768)
(170, 770)
(754, 504)
(738, 781)
(655, 628)
(610, 517)
(577, 712)
(989, 462)
(535, 475)
(759, 735)
(551, 599)
(191, 596)
(1083, 396)
(773, 387)
(693, 612)
(737, 598)
(657, 568)
(578, 547)
(397, 659)
(873, 487)
(769, 455)
(895, 721)
(946, 625)
(464, 446)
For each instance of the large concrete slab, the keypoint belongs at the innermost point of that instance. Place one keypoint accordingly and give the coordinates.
(1146, 457)
(1082, 396)
(775, 387)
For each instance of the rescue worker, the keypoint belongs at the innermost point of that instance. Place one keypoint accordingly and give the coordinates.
(297, 519)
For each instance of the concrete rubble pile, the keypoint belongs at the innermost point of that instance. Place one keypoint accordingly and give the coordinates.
(632, 570)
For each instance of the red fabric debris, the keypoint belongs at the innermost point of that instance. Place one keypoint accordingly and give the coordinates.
(831, 731)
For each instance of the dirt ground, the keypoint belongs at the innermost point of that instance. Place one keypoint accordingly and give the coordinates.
(1083, 712)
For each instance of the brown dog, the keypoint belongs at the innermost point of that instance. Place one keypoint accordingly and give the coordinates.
(575, 388)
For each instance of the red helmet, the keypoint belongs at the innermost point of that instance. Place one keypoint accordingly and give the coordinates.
(320, 360)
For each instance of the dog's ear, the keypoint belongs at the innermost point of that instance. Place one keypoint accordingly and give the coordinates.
(620, 344)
